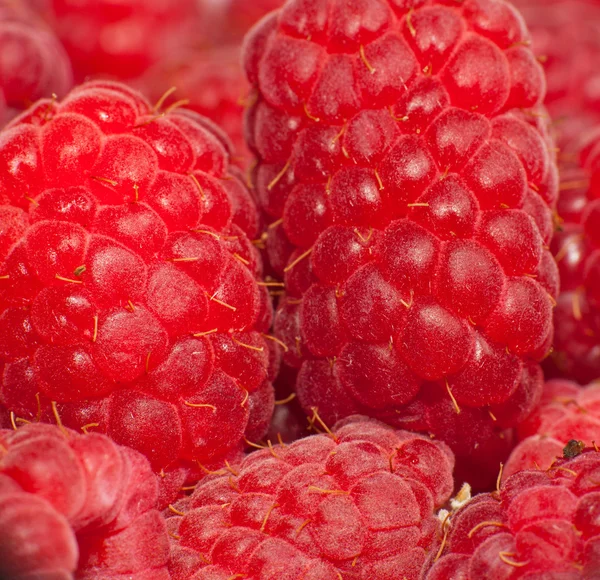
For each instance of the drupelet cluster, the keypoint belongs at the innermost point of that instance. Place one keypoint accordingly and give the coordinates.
(568, 414)
(130, 291)
(213, 82)
(34, 64)
(406, 165)
(577, 249)
(74, 505)
(541, 524)
(357, 502)
(569, 49)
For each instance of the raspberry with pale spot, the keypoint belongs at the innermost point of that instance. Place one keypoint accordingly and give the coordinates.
(567, 413)
(540, 524)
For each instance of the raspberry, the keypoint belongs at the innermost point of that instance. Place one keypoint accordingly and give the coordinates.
(79, 504)
(567, 412)
(34, 64)
(577, 249)
(129, 289)
(569, 50)
(122, 39)
(214, 84)
(540, 524)
(357, 502)
(406, 164)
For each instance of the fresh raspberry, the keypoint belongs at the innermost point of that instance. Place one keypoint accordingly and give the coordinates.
(33, 62)
(129, 288)
(569, 49)
(213, 83)
(356, 503)
(567, 412)
(406, 164)
(576, 352)
(77, 504)
(539, 525)
(122, 39)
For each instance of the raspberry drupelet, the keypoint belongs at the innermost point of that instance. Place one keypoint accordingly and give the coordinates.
(130, 292)
(213, 82)
(539, 525)
(567, 413)
(77, 506)
(357, 502)
(576, 352)
(405, 162)
(33, 65)
(569, 50)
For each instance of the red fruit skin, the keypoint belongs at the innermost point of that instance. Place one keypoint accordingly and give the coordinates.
(77, 505)
(213, 82)
(409, 174)
(358, 502)
(121, 40)
(129, 290)
(576, 352)
(241, 16)
(566, 412)
(569, 51)
(540, 524)
(35, 63)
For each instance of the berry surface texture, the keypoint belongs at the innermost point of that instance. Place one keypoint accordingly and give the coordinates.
(77, 506)
(357, 502)
(130, 293)
(405, 161)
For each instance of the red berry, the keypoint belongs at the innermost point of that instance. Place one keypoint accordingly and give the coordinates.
(357, 502)
(566, 412)
(540, 524)
(77, 504)
(577, 248)
(122, 39)
(34, 64)
(569, 50)
(408, 171)
(128, 284)
(214, 84)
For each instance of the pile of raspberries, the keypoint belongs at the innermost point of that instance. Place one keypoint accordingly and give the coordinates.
(300, 290)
